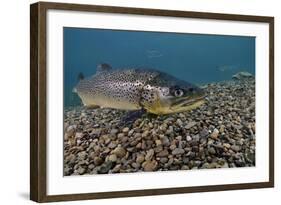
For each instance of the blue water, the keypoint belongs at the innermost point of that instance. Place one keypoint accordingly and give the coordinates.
(196, 58)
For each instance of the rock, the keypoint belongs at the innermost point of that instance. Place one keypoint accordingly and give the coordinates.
(178, 151)
(145, 133)
(204, 133)
(163, 153)
(150, 165)
(159, 148)
(173, 146)
(212, 150)
(112, 145)
(70, 159)
(126, 130)
(119, 151)
(205, 166)
(240, 163)
(190, 125)
(120, 136)
(150, 125)
(112, 158)
(235, 148)
(140, 159)
(105, 167)
(81, 170)
(163, 160)
(179, 122)
(184, 167)
(116, 168)
(158, 142)
(170, 131)
(225, 165)
(135, 165)
(188, 138)
(82, 155)
(130, 133)
(78, 135)
(70, 131)
(222, 129)
(163, 127)
(114, 131)
(165, 140)
(149, 155)
(179, 138)
(226, 145)
(196, 138)
(215, 134)
(98, 161)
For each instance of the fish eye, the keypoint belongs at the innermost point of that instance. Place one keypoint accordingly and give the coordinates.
(178, 93)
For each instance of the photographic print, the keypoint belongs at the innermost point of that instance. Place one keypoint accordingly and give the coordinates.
(142, 101)
(136, 102)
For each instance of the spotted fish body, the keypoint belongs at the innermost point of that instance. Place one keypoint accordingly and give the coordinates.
(130, 89)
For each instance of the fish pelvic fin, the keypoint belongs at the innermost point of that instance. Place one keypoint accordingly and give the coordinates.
(74, 90)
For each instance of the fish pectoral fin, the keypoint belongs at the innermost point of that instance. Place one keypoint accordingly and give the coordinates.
(131, 117)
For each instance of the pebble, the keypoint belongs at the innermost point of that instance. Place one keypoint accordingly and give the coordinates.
(119, 151)
(215, 134)
(179, 122)
(150, 165)
(114, 131)
(70, 131)
(165, 141)
(149, 155)
(112, 158)
(190, 125)
(163, 153)
(98, 161)
(105, 167)
(81, 170)
(204, 133)
(126, 129)
(235, 148)
(212, 150)
(140, 159)
(177, 151)
(145, 133)
(226, 145)
(188, 138)
(173, 146)
(158, 142)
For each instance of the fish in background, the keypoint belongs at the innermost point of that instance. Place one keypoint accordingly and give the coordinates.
(153, 54)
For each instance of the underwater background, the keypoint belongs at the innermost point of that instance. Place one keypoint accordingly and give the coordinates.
(196, 58)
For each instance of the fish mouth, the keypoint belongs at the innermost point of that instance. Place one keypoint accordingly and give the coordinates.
(187, 103)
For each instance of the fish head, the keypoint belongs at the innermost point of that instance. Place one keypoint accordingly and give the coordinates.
(166, 94)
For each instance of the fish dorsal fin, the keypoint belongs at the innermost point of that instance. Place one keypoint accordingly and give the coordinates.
(103, 67)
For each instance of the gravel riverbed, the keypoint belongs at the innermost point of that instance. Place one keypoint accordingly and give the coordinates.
(219, 134)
